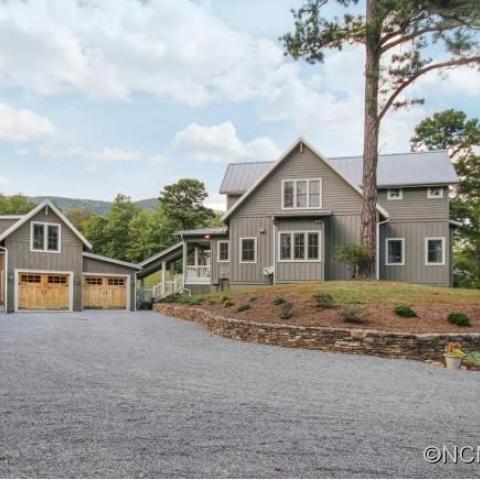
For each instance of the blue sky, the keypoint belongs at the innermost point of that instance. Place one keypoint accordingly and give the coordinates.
(107, 96)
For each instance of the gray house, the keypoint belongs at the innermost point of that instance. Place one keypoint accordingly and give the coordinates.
(286, 219)
(46, 264)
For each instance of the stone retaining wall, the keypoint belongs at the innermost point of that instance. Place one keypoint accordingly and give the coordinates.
(347, 340)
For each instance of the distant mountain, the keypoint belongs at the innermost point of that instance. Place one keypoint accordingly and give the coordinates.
(101, 207)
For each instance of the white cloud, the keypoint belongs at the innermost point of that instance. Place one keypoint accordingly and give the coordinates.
(20, 125)
(112, 48)
(221, 144)
(97, 157)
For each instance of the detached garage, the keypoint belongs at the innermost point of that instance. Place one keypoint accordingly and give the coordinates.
(108, 284)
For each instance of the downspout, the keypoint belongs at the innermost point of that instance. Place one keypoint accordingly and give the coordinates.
(377, 266)
(5, 279)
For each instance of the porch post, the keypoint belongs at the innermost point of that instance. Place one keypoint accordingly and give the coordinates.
(196, 256)
(184, 263)
(164, 266)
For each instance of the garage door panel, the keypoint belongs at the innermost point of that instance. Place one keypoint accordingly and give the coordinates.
(105, 292)
(43, 291)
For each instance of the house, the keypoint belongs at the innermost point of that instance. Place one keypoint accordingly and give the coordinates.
(46, 264)
(285, 221)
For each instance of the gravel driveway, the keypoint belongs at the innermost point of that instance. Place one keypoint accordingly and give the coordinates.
(101, 394)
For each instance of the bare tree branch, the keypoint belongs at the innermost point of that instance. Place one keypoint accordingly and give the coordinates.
(423, 71)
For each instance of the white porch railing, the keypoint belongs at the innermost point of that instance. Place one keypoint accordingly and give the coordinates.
(170, 286)
(198, 274)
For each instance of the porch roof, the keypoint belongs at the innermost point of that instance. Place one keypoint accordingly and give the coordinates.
(203, 231)
(154, 263)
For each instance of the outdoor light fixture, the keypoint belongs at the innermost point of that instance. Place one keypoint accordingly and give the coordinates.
(207, 237)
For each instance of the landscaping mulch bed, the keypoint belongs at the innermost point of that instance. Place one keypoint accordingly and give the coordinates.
(431, 318)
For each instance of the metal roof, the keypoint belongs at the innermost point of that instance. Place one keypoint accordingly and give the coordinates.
(103, 258)
(398, 169)
(204, 231)
(240, 176)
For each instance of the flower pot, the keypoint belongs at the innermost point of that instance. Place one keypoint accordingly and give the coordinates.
(452, 363)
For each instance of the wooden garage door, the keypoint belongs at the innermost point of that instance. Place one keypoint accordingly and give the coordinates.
(104, 292)
(43, 291)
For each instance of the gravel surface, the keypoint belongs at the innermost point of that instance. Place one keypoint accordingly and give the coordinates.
(102, 394)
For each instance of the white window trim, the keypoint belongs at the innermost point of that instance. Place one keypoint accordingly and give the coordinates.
(218, 251)
(300, 260)
(389, 194)
(443, 250)
(400, 264)
(431, 195)
(308, 180)
(45, 237)
(254, 251)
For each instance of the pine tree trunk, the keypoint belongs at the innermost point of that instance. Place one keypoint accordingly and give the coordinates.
(370, 144)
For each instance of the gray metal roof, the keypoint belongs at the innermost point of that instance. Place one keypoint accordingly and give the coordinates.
(398, 169)
(239, 177)
(204, 231)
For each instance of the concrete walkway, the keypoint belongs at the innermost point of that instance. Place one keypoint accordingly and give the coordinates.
(98, 394)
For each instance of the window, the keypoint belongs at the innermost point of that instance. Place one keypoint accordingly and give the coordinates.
(435, 251)
(93, 280)
(435, 192)
(223, 251)
(299, 246)
(285, 246)
(302, 193)
(57, 279)
(116, 281)
(395, 251)
(248, 250)
(394, 194)
(45, 237)
(29, 278)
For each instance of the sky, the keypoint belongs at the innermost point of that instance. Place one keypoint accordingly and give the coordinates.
(99, 97)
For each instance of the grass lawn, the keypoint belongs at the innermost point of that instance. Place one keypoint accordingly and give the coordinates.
(358, 292)
(375, 302)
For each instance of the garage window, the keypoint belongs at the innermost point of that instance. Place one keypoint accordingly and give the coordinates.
(45, 237)
(93, 281)
(116, 281)
(30, 278)
(57, 279)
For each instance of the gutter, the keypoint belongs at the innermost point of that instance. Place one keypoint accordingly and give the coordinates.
(377, 260)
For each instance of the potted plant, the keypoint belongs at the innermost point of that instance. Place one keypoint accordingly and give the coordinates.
(453, 355)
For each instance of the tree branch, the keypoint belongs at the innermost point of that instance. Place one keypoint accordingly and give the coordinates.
(423, 71)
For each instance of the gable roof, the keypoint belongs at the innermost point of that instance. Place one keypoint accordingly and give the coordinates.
(273, 166)
(46, 203)
(398, 169)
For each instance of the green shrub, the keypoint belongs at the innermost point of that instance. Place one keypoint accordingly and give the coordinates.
(252, 299)
(405, 311)
(356, 256)
(279, 301)
(194, 300)
(472, 358)
(459, 318)
(224, 298)
(352, 314)
(242, 307)
(324, 300)
(228, 303)
(286, 310)
(171, 298)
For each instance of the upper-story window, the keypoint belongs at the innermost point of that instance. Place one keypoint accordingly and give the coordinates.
(302, 193)
(394, 194)
(45, 237)
(435, 192)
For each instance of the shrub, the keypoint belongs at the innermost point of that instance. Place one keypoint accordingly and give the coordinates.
(242, 307)
(473, 358)
(228, 303)
(194, 300)
(356, 256)
(224, 298)
(324, 300)
(459, 318)
(352, 314)
(171, 298)
(286, 310)
(252, 299)
(279, 301)
(405, 311)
